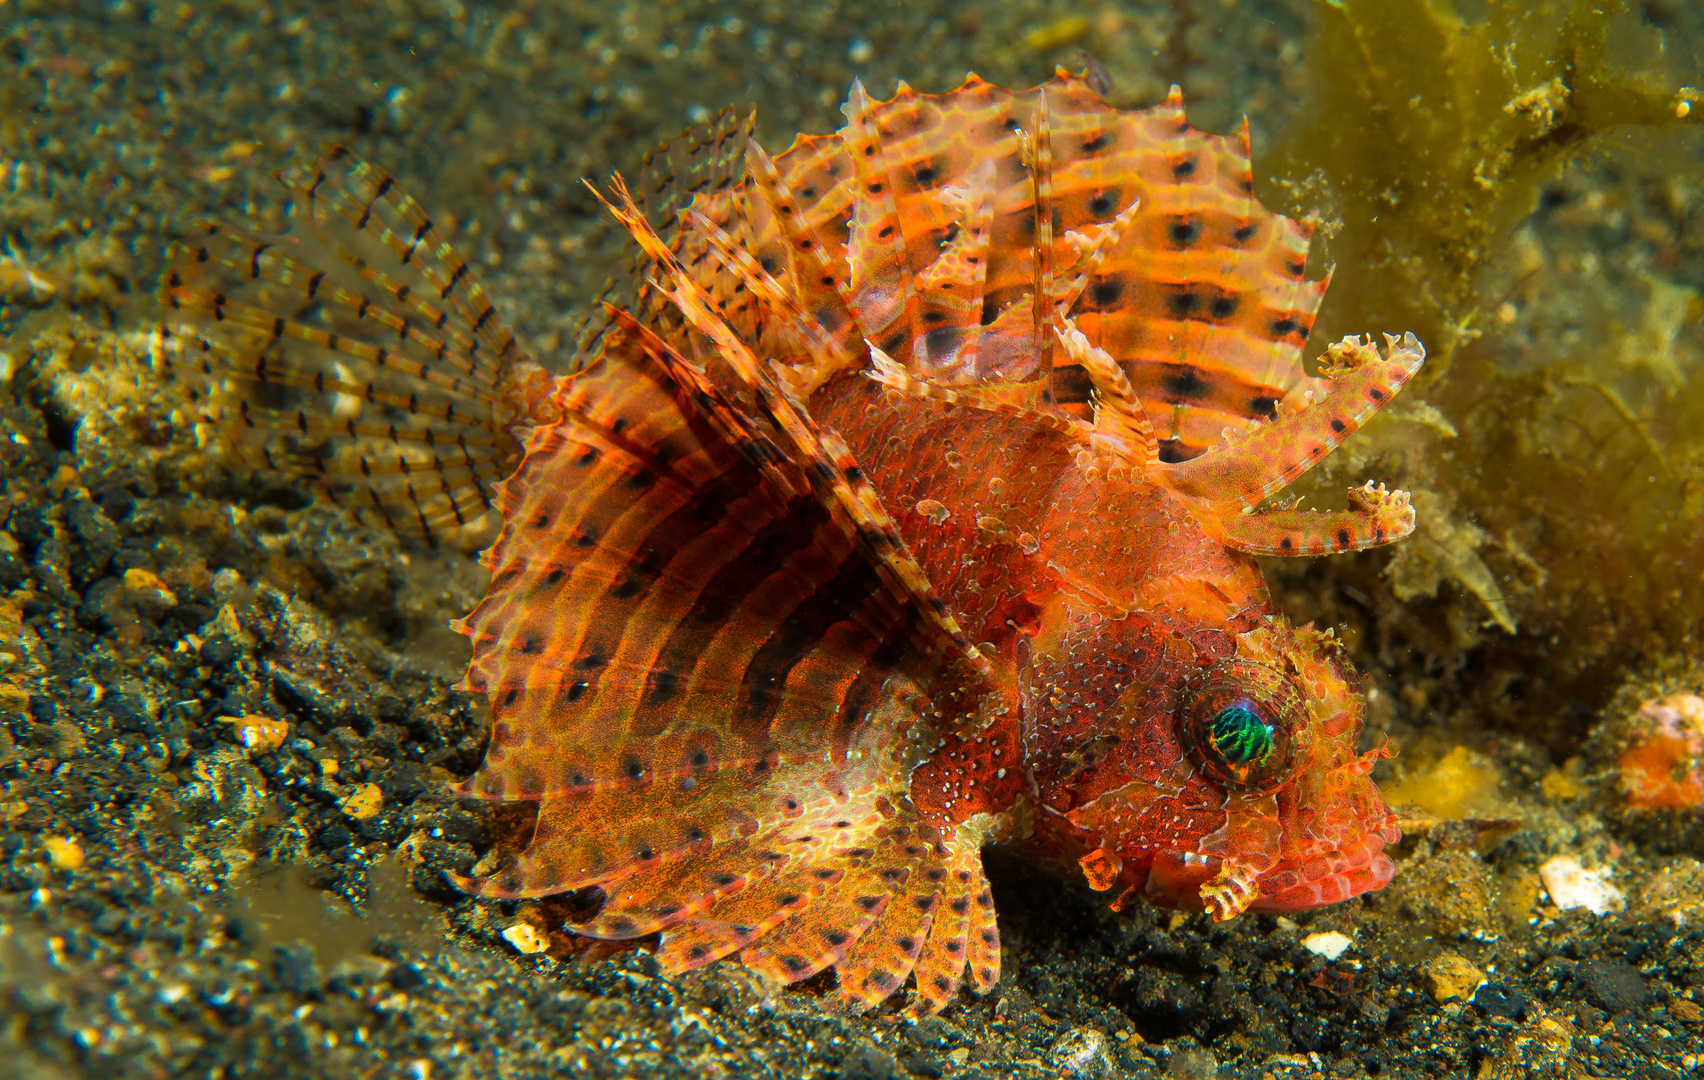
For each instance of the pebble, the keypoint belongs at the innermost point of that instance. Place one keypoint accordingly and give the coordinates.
(64, 852)
(1495, 999)
(296, 968)
(363, 801)
(1612, 985)
(218, 650)
(866, 1062)
(525, 938)
(1451, 977)
(261, 734)
(1330, 944)
(1192, 1062)
(1571, 885)
(1082, 1053)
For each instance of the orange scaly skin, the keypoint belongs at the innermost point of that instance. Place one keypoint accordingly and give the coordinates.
(914, 509)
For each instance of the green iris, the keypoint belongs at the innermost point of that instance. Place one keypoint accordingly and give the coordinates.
(1240, 736)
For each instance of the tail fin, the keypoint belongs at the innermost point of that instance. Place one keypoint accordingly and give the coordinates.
(358, 352)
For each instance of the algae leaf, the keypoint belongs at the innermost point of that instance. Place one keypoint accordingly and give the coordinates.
(1427, 140)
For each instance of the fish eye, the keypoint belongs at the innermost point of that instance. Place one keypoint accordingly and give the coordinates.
(1241, 723)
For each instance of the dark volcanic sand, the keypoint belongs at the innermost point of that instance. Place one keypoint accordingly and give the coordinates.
(176, 903)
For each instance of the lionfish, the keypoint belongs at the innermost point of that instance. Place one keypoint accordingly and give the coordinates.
(910, 507)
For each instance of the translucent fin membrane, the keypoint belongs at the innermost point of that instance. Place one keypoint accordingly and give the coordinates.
(1140, 228)
(358, 352)
(705, 683)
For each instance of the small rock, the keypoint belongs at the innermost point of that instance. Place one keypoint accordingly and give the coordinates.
(1495, 999)
(1190, 1062)
(1542, 1046)
(1451, 977)
(1612, 985)
(405, 977)
(295, 968)
(1330, 944)
(865, 1062)
(64, 852)
(384, 827)
(1685, 1011)
(362, 801)
(218, 650)
(99, 535)
(1082, 1054)
(38, 1000)
(261, 734)
(228, 587)
(42, 709)
(147, 593)
(1571, 885)
(336, 835)
(525, 938)
(934, 1033)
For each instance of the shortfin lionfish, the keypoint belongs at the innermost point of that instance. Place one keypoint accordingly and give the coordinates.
(910, 506)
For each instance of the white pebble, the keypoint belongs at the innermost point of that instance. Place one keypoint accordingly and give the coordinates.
(1573, 886)
(526, 939)
(1330, 944)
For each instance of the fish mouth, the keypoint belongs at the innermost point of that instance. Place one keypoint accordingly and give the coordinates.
(1177, 878)
(1327, 878)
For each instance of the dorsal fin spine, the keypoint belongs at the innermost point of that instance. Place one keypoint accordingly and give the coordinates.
(878, 234)
(1041, 183)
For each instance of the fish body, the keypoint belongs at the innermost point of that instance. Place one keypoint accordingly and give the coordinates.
(911, 507)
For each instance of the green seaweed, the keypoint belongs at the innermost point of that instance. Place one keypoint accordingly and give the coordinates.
(1432, 137)
(1558, 473)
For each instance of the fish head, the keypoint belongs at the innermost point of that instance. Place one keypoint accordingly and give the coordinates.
(1253, 794)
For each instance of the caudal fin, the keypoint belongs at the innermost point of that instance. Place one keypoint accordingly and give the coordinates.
(357, 352)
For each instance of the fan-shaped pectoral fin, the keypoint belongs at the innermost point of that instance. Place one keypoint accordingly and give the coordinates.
(1377, 515)
(1247, 468)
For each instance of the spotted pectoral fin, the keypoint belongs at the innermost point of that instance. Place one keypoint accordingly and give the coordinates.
(876, 895)
(1241, 471)
(703, 678)
(1376, 516)
(880, 891)
(957, 924)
